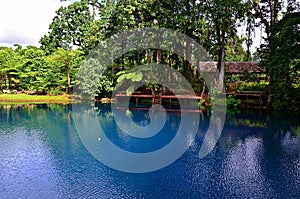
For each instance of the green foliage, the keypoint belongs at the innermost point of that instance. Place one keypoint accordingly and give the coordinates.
(70, 27)
(133, 76)
(232, 102)
(213, 23)
(221, 23)
(140, 74)
(10, 67)
(232, 112)
(30, 69)
(37, 74)
(253, 86)
(284, 61)
(68, 65)
(201, 103)
(235, 51)
(54, 91)
(280, 52)
(94, 79)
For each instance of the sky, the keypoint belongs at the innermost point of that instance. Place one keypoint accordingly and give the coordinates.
(26, 21)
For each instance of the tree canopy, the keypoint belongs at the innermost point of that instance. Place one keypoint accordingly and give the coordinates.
(80, 27)
(284, 61)
(71, 27)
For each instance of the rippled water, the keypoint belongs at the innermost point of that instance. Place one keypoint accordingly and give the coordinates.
(41, 156)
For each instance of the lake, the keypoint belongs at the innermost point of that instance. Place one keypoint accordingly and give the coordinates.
(42, 156)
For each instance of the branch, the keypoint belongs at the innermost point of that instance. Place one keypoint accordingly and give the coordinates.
(259, 13)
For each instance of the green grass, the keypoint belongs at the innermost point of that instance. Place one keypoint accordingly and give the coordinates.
(25, 99)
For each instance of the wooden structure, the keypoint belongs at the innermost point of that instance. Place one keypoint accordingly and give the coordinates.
(158, 99)
(248, 98)
(240, 67)
(233, 67)
(252, 98)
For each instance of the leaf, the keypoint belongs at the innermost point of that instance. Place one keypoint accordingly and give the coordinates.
(137, 77)
(121, 72)
(121, 78)
(130, 90)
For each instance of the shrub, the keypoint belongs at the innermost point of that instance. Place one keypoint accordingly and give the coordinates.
(253, 86)
(233, 103)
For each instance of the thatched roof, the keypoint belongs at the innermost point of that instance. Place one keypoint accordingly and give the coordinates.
(239, 67)
(233, 67)
(208, 66)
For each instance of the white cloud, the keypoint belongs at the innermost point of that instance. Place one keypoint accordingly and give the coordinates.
(25, 22)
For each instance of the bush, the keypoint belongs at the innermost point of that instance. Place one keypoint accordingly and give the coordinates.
(233, 103)
(201, 103)
(54, 91)
(253, 86)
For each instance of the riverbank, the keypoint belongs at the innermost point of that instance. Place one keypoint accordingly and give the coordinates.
(34, 99)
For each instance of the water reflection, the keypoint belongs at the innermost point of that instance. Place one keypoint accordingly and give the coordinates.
(41, 155)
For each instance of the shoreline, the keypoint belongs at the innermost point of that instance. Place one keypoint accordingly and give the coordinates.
(34, 99)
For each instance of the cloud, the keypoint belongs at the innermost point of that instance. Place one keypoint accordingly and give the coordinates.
(25, 22)
(10, 36)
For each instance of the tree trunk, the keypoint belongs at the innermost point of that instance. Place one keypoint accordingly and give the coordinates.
(112, 65)
(7, 81)
(68, 78)
(221, 69)
(221, 59)
(169, 60)
(203, 90)
(158, 56)
(148, 59)
(122, 59)
(138, 58)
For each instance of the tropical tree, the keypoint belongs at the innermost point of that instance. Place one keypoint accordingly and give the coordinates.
(280, 27)
(68, 64)
(10, 66)
(234, 50)
(284, 61)
(94, 79)
(34, 68)
(69, 28)
(221, 21)
(269, 12)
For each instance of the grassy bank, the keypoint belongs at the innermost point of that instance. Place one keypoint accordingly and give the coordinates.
(35, 99)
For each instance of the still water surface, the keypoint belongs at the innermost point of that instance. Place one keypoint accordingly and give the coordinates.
(41, 156)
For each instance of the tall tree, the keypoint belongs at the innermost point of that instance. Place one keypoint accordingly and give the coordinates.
(97, 5)
(68, 61)
(33, 69)
(211, 22)
(235, 51)
(10, 66)
(221, 17)
(284, 61)
(267, 12)
(278, 52)
(69, 28)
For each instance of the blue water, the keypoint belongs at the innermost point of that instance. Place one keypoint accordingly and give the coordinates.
(42, 156)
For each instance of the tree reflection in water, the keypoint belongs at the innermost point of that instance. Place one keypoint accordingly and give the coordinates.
(257, 156)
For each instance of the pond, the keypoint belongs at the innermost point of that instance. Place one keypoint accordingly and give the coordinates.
(42, 156)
